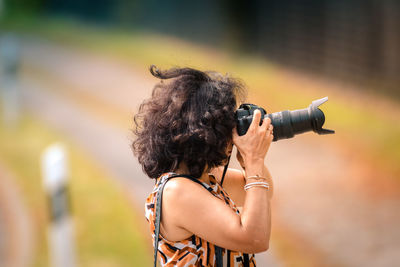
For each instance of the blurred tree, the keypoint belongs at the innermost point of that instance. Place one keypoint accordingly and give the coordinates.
(86, 10)
(357, 40)
(24, 5)
(126, 12)
(241, 28)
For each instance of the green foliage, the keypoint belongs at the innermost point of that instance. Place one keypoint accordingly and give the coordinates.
(12, 6)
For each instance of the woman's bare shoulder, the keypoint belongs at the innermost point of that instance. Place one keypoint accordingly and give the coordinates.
(179, 185)
(182, 190)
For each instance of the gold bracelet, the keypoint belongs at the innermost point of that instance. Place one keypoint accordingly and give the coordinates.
(257, 177)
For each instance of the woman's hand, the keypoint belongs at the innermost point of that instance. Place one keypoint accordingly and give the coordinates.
(253, 146)
(240, 159)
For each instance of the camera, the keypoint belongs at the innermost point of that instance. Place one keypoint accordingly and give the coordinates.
(286, 123)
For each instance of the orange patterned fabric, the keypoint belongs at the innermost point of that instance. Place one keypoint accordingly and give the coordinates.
(193, 251)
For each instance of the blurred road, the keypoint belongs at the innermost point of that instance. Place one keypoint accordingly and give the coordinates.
(16, 231)
(323, 194)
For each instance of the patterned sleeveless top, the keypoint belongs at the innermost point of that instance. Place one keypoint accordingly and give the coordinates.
(193, 251)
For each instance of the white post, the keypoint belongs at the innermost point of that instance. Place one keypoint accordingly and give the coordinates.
(60, 234)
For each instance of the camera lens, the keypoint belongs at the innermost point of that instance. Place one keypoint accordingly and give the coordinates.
(286, 123)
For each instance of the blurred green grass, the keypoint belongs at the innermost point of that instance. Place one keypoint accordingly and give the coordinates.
(107, 228)
(370, 132)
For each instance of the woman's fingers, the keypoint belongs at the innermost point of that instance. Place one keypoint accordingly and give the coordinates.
(266, 124)
(256, 120)
(270, 128)
(270, 133)
(256, 141)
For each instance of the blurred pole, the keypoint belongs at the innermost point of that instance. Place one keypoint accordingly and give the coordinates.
(9, 67)
(60, 234)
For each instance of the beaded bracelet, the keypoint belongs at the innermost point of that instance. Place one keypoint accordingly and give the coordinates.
(256, 184)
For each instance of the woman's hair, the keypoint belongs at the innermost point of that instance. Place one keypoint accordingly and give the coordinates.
(189, 119)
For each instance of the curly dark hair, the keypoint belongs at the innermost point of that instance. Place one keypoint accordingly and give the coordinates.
(190, 120)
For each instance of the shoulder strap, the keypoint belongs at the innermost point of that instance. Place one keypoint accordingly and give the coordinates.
(158, 210)
(224, 172)
(245, 256)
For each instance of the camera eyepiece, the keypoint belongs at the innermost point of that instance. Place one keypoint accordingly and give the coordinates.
(286, 123)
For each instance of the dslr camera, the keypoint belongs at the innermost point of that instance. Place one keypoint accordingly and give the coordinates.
(286, 123)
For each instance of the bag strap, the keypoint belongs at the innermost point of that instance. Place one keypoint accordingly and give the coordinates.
(246, 262)
(158, 208)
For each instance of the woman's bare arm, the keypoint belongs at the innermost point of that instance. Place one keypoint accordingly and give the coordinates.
(191, 208)
(234, 182)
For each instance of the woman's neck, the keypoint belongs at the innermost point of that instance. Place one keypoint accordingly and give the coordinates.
(182, 169)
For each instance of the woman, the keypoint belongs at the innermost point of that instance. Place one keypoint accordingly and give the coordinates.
(187, 127)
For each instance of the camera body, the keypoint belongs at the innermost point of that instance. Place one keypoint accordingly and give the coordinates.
(286, 123)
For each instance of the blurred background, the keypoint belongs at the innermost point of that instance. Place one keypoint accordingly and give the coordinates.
(73, 73)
